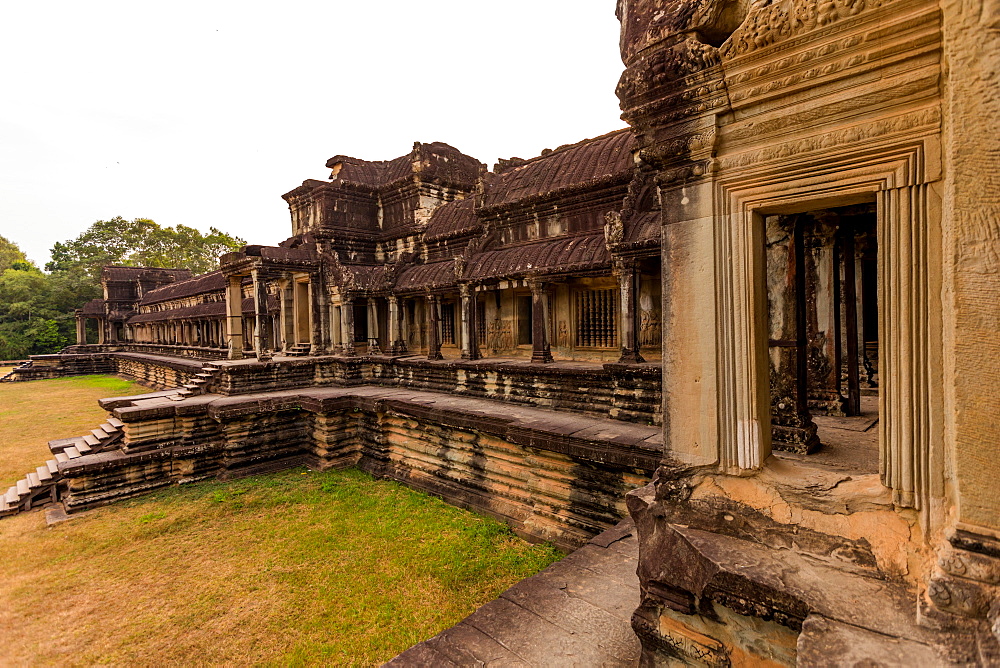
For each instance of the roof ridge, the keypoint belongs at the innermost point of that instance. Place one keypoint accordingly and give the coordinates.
(564, 148)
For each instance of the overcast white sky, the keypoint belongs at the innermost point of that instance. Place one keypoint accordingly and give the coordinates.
(205, 113)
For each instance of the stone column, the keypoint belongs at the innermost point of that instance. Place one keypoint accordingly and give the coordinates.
(81, 330)
(470, 342)
(823, 298)
(373, 347)
(397, 343)
(852, 405)
(102, 326)
(234, 316)
(322, 312)
(792, 427)
(336, 330)
(628, 288)
(540, 351)
(315, 321)
(433, 329)
(287, 313)
(347, 322)
(260, 314)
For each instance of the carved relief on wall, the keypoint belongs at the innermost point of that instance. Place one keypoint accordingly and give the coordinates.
(499, 336)
(649, 327)
(562, 336)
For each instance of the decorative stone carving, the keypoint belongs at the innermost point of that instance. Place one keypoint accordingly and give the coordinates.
(614, 229)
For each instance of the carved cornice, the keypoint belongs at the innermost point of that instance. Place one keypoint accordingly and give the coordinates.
(774, 23)
(687, 172)
(928, 118)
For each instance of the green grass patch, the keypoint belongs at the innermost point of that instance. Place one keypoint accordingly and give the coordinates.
(298, 567)
(36, 412)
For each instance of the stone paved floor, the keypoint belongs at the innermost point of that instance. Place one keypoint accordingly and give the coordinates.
(576, 612)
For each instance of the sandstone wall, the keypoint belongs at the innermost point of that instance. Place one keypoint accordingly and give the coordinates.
(561, 479)
(628, 393)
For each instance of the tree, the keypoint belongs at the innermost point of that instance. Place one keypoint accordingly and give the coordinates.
(31, 322)
(11, 254)
(142, 243)
(36, 309)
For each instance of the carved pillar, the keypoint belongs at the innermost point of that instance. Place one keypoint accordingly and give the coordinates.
(470, 342)
(336, 330)
(234, 316)
(397, 339)
(373, 347)
(823, 311)
(628, 287)
(260, 314)
(540, 350)
(347, 322)
(433, 328)
(81, 330)
(792, 427)
(853, 403)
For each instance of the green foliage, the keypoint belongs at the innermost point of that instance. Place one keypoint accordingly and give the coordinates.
(36, 309)
(11, 255)
(30, 323)
(142, 243)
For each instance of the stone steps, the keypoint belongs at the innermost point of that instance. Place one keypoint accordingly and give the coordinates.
(299, 350)
(198, 385)
(43, 484)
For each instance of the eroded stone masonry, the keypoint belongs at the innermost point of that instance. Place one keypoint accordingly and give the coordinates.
(764, 318)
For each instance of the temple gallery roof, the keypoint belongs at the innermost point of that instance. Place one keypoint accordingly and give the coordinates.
(589, 163)
(436, 162)
(451, 220)
(207, 310)
(558, 255)
(93, 307)
(158, 274)
(213, 281)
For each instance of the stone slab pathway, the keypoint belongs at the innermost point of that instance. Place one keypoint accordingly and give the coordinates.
(577, 612)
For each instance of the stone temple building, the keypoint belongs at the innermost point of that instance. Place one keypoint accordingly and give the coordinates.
(762, 321)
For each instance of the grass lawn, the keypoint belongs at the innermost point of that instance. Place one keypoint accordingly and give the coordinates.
(35, 412)
(293, 568)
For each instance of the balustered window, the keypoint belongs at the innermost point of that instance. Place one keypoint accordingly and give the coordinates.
(447, 324)
(596, 318)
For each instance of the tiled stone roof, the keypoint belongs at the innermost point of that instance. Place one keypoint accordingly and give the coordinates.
(561, 254)
(120, 273)
(586, 164)
(452, 219)
(213, 281)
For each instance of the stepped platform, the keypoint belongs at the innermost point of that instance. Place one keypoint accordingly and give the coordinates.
(551, 475)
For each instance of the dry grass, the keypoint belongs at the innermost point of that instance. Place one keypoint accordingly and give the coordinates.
(35, 412)
(293, 568)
